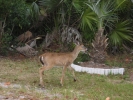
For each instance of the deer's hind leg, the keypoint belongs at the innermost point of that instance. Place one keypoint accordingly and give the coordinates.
(41, 71)
(63, 74)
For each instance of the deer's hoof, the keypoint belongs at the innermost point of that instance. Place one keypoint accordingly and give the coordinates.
(61, 84)
(42, 86)
(75, 80)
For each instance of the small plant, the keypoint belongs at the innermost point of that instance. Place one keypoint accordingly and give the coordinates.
(82, 58)
(5, 43)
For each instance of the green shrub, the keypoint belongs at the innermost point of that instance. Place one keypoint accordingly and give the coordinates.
(82, 57)
(5, 43)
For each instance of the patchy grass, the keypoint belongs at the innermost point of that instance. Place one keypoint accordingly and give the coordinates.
(88, 87)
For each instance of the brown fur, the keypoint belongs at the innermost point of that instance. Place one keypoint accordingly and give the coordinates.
(49, 60)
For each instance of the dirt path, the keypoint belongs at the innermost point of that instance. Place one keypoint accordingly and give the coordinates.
(7, 93)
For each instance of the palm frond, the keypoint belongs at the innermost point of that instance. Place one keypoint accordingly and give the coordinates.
(79, 5)
(121, 4)
(115, 39)
(104, 11)
(88, 19)
(50, 5)
(35, 8)
(122, 32)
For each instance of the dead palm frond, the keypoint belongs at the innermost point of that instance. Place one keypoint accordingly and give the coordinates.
(27, 50)
(70, 34)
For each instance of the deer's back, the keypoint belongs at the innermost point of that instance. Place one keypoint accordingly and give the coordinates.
(58, 59)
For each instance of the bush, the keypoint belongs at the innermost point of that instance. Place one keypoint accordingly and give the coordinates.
(82, 57)
(5, 43)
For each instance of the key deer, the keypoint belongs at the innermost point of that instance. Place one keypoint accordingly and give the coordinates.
(51, 59)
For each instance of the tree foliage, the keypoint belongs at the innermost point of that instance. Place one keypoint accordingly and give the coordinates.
(41, 17)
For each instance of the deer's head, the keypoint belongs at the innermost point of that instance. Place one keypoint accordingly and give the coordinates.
(80, 47)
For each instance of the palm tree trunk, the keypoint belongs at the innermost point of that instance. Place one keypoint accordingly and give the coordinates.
(99, 44)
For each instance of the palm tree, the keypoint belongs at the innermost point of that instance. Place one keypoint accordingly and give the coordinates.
(104, 14)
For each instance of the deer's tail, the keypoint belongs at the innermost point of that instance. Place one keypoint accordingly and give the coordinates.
(41, 58)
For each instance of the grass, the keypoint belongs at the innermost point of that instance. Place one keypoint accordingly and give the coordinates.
(88, 87)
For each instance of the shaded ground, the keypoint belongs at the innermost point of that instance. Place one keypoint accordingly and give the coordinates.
(91, 64)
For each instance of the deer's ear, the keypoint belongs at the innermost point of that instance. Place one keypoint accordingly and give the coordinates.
(76, 42)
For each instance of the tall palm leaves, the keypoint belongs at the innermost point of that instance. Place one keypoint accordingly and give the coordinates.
(88, 19)
(105, 14)
(120, 33)
(50, 5)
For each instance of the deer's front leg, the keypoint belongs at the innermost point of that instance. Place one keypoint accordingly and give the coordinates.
(63, 74)
(73, 73)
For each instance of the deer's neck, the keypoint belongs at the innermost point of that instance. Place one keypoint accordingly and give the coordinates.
(75, 53)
